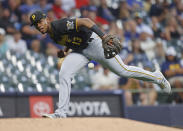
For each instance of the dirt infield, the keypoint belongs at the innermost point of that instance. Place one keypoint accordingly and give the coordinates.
(78, 124)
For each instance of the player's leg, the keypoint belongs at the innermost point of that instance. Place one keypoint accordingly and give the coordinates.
(95, 51)
(117, 66)
(70, 66)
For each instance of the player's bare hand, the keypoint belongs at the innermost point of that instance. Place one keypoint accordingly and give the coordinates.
(61, 54)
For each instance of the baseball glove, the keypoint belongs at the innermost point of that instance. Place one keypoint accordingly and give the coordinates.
(112, 46)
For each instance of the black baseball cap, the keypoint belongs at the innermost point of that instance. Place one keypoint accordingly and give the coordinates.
(36, 17)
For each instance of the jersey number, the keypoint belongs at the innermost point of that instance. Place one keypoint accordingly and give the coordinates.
(76, 40)
(73, 40)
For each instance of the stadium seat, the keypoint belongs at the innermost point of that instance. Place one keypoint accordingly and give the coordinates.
(15, 80)
(23, 78)
(7, 88)
(42, 78)
(4, 78)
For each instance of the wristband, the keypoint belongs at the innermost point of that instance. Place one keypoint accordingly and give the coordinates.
(96, 29)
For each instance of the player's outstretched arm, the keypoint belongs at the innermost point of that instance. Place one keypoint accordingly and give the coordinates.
(110, 43)
(91, 25)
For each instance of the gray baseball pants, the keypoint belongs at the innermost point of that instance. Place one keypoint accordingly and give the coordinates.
(75, 61)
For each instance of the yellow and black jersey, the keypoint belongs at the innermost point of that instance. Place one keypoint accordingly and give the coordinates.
(65, 32)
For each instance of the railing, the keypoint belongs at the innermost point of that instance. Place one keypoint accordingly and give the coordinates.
(148, 95)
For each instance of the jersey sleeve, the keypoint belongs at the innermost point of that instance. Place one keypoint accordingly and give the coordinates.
(66, 25)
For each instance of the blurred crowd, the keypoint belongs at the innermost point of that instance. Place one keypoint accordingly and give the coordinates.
(151, 32)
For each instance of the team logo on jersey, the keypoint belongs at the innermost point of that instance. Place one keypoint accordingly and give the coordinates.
(70, 25)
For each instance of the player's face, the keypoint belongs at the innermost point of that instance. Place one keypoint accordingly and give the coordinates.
(42, 26)
(171, 57)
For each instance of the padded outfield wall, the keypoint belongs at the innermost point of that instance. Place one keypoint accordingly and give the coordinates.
(89, 104)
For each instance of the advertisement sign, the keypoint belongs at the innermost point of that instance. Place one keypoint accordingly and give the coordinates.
(94, 105)
(82, 104)
(40, 105)
(89, 108)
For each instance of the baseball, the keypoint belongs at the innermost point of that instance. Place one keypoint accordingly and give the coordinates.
(91, 65)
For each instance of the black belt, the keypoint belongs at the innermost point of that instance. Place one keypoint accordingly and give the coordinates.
(90, 39)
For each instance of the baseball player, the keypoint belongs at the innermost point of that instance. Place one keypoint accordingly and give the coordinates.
(87, 42)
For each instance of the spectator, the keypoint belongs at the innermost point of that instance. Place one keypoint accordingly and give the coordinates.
(44, 6)
(142, 27)
(181, 20)
(36, 45)
(135, 4)
(147, 5)
(130, 30)
(29, 6)
(124, 11)
(84, 12)
(5, 22)
(114, 29)
(181, 58)
(104, 12)
(17, 44)
(131, 98)
(81, 3)
(68, 5)
(172, 30)
(139, 57)
(156, 27)
(3, 43)
(147, 45)
(1, 9)
(173, 34)
(173, 13)
(13, 6)
(92, 14)
(164, 15)
(51, 49)
(173, 70)
(57, 9)
(177, 4)
(51, 15)
(156, 9)
(104, 80)
(159, 52)
(149, 95)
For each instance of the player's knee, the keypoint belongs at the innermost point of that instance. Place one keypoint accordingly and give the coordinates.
(125, 72)
(125, 75)
(64, 75)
